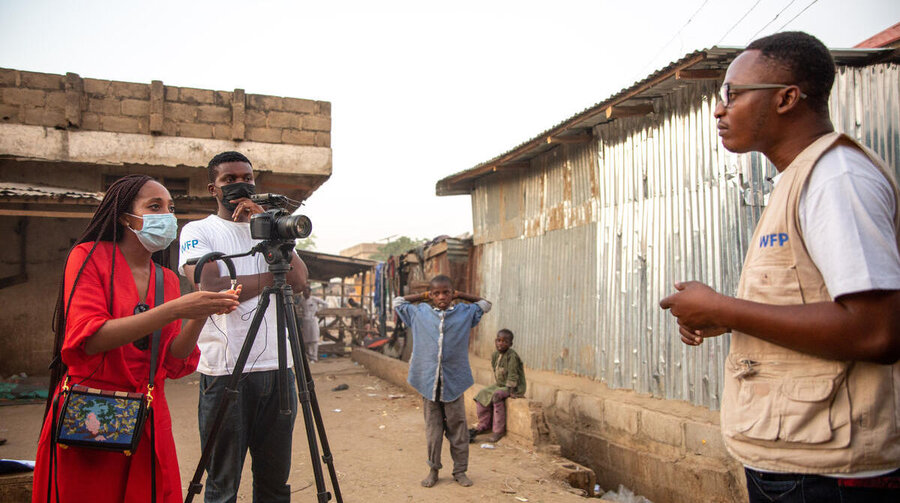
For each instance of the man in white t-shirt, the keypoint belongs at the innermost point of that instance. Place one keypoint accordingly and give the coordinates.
(253, 420)
(811, 404)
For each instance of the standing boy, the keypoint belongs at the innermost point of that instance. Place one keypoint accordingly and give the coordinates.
(439, 367)
(253, 420)
(811, 404)
(509, 381)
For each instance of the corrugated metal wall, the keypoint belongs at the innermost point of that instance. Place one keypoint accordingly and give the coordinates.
(602, 231)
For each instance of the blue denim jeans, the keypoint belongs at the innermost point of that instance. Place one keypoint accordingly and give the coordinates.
(253, 422)
(797, 488)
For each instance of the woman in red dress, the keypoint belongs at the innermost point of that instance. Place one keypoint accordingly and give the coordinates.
(108, 274)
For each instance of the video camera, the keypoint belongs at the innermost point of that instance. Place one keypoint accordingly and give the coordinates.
(277, 223)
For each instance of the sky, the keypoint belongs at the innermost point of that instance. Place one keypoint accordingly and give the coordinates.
(419, 90)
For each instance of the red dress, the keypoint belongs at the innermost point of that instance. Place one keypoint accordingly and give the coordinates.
(103, 476)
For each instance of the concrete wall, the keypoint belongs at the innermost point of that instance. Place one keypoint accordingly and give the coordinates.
(668, 451)
(63, 101)
(26, 337)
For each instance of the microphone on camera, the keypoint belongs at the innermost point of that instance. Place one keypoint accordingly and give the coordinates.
(268, 198)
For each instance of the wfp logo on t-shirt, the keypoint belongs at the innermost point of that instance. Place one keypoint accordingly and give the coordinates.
(771, 240)
(187, 245)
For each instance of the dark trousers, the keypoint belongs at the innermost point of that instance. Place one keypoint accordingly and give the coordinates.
(253, 422)
(798, 488)
(453, 416)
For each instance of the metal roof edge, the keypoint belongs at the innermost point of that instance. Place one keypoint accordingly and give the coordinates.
(462, 182)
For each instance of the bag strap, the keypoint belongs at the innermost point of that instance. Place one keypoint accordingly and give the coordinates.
(152, 457)
(154, 357)
(54, 412)
(160, 298)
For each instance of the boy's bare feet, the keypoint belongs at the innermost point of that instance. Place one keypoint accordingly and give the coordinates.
(462, 480)
(431, 479)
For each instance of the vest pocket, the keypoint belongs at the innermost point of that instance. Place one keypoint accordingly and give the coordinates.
(771, 283)
(802, 402)
(807, 413)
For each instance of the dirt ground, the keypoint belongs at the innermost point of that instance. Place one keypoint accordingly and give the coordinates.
(377, 441)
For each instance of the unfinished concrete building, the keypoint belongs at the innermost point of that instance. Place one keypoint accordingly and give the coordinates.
(64, 139)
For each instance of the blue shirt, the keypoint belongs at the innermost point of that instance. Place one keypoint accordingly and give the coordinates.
(440, 346)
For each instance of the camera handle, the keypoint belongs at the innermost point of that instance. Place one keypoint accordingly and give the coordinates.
(277, 254)
(200, 262)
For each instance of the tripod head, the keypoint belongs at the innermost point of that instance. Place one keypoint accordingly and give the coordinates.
(276, 252)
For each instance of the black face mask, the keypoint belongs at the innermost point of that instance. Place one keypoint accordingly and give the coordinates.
(236, 191)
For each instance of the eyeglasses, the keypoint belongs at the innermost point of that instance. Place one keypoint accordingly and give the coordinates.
(727, 91)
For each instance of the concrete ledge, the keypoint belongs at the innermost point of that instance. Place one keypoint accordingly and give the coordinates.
(391, 370)
(98, 147)
(524, 420)
(16, 487)
(666, 450)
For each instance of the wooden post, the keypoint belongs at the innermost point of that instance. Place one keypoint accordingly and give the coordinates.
(238, 111)
(362, 297)
(342, 290)
(74, 98)
(157, 106)
(620, 111)
(688, 74)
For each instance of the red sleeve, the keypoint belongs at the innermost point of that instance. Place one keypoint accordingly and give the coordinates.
(177, 367)
(89, 307)
(180, 367)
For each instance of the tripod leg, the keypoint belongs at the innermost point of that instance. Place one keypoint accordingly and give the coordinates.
(284, 401)
(300, 373)
(231, 391)
(301, 364)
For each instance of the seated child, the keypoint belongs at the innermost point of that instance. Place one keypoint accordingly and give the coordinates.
(509, 376)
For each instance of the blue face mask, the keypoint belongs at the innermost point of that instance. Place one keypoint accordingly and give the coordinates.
(158, 231)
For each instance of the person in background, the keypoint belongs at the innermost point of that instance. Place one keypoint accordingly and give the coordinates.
(309, 323)
(439, 368)
(509, 377)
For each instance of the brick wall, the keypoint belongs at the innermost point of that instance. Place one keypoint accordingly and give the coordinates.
(71, 102)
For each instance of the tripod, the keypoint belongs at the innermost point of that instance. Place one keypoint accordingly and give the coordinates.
(277, 254)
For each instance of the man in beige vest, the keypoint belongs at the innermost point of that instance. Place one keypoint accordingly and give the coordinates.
(812, 381)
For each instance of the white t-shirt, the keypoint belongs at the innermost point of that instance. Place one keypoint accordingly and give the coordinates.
(223, 336)
(847, 219)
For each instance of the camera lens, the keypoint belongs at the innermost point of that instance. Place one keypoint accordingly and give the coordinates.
(293, 226)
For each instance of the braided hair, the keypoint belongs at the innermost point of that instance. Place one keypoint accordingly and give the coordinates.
(104, 226)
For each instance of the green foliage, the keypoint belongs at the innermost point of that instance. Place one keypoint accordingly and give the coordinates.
(396, 247)
(308, 243)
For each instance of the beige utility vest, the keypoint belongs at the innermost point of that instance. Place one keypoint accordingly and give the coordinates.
(787, 411)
